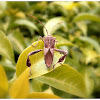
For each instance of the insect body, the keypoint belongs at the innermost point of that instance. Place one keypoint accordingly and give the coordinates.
(49, 48)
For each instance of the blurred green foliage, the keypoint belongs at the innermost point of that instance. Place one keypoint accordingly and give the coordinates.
(79, 34)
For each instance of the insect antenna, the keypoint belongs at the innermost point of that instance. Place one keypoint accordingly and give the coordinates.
(55, 25)
(39, 21)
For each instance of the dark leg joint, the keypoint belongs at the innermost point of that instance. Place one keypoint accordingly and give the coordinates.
(28, 62)
(61, 59)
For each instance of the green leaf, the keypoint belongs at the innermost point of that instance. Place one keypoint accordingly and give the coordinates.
(90, 55)
(41, 95)
(87, 16)
(83, 26)
(38, 66)
(6, 49)
(93, 42)
(84, 4)
(66, 79)
(3, 83)
(62, 41)
(36, 85)
(52, 22)
(20, 87)
(87, 75)
(30, 25)
(17, 40)
(97, 71)
(3, 6)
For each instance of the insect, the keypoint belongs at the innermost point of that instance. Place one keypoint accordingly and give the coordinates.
(49, 48)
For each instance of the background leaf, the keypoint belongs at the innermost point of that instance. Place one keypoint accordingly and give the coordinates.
(52, 22)
(18, 41)
(87, 16)
(3, 6)
(89, 54)
(87, 74)
(6, 49)
(67, 5)
(31, 26)
(66, 79)
(92, 42)
(83, 26)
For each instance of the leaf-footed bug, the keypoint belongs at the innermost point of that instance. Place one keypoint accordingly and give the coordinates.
(49, 48)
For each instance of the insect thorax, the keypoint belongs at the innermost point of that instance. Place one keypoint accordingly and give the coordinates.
(49, 41)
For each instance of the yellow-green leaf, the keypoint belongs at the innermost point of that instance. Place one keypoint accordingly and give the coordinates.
(41, 95)
(6, 49)
(90, 55)
(62, 41)
(17, 40)
(52, 22)
(36, 85)
(38, 66)
(20, 87)
(86, 16)
(20, 14)
(66, 79)
(87, 75)
(92, 42)
(3, 6)
(3, 83)
(26, 23)
(82, 26)
(97, 71)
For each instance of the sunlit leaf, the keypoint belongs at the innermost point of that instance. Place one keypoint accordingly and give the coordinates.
(67, 5)
(52, 22)
(3, 6)
(3, 83)
(66, 79)
(18, 41)
(87, 16)
(20, 87)
(62, 41)
(6, 49)
(20, 14)
(41, 95)
(38, 66)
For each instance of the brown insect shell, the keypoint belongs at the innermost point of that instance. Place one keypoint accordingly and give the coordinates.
(49, 46)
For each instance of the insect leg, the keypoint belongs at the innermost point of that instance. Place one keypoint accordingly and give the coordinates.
(28, 63)
(37, 41)
(61, 58)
